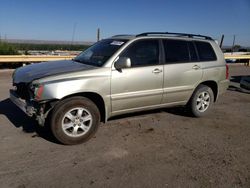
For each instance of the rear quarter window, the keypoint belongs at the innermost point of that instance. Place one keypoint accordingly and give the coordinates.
(205, 51)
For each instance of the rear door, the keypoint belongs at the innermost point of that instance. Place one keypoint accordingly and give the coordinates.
(182, 70)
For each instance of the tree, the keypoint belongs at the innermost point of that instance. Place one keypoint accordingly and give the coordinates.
(236, 47)
(7, 49)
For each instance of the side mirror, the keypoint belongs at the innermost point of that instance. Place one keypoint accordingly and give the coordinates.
(122, 62)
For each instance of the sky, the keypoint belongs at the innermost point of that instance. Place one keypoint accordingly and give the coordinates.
(57, 20)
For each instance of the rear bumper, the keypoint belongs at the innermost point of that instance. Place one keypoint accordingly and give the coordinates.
(22, 104)
(223, 86)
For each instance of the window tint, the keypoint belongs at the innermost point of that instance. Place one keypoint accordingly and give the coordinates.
(142, 53)
(205, 51)
(192, 52)
(176, 51)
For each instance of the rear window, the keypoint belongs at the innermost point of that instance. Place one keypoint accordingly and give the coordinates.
(205, 51)
(176, 51)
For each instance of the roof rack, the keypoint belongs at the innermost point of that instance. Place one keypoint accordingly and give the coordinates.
(175, 34)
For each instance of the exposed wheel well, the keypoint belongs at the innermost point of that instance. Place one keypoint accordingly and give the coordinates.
(213, 85)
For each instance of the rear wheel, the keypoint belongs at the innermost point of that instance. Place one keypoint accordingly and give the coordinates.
(201, 101)
(75, 120)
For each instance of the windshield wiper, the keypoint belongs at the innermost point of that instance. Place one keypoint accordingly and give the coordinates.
(80, 61)
(83, 62)
(76, 60)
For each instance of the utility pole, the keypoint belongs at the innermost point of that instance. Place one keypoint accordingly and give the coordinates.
(233, 44)
(98, 34)
(73, 33)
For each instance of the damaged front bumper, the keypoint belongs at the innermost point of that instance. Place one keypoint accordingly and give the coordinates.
(22, 104)
(29, 108)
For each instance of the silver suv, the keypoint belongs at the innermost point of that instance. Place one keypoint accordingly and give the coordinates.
(118, 75)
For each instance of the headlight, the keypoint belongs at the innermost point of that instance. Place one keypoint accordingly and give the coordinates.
(37, 90)
(33, 86)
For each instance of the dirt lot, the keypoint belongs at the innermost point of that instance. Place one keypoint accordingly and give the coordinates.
(163, 148)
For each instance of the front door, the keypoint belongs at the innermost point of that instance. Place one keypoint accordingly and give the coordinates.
(140, 85)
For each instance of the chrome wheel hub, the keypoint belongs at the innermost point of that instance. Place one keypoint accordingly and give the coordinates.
(76, 122)
(203, 101)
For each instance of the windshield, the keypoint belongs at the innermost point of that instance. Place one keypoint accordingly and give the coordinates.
(100, 52)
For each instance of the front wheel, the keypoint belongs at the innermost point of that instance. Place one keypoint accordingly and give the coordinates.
(201, 101)
(75, 120)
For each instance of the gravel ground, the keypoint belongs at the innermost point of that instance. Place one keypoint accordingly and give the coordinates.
(162, 148)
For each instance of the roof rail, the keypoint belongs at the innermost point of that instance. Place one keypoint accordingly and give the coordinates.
(175, 34)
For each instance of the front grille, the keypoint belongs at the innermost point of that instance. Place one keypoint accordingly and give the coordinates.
(22, 90)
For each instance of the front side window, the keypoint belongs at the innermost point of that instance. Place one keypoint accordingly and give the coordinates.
(176, 51)
(100, 52)
(143, 53)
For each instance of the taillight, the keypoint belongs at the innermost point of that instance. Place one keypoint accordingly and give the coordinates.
(227, 72)
(39, 92)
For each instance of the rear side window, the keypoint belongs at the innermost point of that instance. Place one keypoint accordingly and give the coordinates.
(205, 51)
(192, 52)
(176, 51)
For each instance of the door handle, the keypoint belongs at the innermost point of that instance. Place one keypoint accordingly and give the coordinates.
(196, 67)
(156, 71)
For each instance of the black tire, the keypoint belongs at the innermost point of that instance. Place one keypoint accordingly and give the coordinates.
(199, 105)
(75, 133)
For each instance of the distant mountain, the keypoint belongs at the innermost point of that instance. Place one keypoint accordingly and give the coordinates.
(47, 42)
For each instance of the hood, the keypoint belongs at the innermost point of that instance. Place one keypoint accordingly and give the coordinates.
(40, 70)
